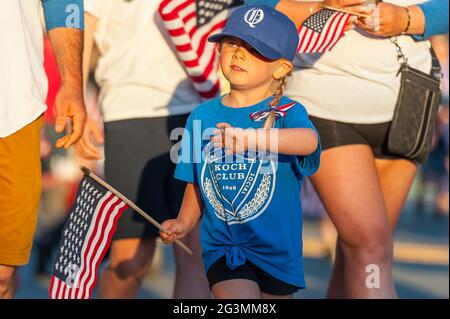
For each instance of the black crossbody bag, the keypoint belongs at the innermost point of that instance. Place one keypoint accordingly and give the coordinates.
(415, 113)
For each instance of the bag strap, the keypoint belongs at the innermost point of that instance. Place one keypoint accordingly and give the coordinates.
(401, 57)
(436, 70)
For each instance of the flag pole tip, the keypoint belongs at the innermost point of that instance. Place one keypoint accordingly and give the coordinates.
(85, 170)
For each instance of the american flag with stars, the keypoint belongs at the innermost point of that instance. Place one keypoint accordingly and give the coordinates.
(190, 23)
(86, 238)
(321, 31)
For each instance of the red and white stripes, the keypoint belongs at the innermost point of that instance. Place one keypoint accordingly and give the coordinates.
(315, 42)
(197, 54)
(97, 241)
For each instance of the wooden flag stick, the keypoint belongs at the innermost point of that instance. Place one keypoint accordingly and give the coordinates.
(346, 11)
(88, 172)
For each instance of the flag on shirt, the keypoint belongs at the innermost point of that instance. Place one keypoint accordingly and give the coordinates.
(86, 238)
(321, 31)
(190, 23)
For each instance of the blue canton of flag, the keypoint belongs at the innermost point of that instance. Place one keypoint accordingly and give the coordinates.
(207, 10)
(85, 239)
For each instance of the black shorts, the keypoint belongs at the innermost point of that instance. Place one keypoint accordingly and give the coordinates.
(138, 164)
(334, 134)
(219, 271)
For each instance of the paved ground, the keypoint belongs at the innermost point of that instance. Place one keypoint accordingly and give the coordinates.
(414, 276)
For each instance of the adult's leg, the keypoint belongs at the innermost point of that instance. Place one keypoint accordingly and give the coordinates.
(236, 289)
(396, 178)
(190, 278)
(7, 281)
(336, 286)
(349, 186)
(129, 261)
(133, 165)
(20, 191)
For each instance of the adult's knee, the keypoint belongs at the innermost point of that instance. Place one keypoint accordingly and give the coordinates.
(371, 246)
(135, 265)
(132, 268)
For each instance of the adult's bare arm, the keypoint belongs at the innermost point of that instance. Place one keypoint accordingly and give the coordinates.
(68, 47)
(92, 135)
(65, 23)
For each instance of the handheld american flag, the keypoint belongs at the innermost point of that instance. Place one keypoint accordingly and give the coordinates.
(190, 23)
(86, 238)
(321, 31)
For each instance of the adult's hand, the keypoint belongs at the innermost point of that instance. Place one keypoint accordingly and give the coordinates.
(343, 3)
(86, 145)
(356, 6)
(390, 20)
(70, 106)
(299, 11)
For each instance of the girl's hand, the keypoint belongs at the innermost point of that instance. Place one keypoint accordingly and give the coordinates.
(233, 139)
(175, 229)
(386, 21)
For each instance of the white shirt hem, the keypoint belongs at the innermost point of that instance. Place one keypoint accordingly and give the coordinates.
(21, 124)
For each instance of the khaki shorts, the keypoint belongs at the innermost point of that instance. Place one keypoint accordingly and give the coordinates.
(20, 190)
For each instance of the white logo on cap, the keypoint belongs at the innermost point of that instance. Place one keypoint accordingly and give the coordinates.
(254, 16)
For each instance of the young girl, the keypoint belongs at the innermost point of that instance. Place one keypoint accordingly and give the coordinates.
(246, 179)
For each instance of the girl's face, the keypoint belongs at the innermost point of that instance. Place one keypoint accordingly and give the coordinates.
(245, 68)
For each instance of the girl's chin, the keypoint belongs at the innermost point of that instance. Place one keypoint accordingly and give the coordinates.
(239, 86)
(236, 82)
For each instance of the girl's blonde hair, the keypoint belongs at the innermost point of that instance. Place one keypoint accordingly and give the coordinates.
(279, 91)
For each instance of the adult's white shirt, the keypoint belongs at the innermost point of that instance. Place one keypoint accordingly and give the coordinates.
(138, 72)
(357, 81)
(23, 83)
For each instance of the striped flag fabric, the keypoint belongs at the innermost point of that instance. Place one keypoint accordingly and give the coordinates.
(321, 31)
(85, 240)
(190, 23)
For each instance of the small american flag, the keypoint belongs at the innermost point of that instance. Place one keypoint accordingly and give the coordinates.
(190, 23)
(321, 31)
(86, 238)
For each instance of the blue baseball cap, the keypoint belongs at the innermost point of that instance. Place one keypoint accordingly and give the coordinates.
(267, 30)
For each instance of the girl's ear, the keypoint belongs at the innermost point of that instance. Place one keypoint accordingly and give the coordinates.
(218, 48)
(284, 68)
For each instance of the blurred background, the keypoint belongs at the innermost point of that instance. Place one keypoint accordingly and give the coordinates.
(421, 249)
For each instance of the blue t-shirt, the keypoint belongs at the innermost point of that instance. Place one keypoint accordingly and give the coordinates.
(252, 201)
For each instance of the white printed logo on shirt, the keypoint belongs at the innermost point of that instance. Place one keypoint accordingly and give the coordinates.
(238, 191)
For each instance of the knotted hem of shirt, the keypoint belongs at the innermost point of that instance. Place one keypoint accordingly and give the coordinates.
(235, 257)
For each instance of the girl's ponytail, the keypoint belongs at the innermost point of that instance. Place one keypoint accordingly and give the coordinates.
(270, 121)
(279, 91)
